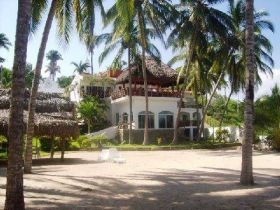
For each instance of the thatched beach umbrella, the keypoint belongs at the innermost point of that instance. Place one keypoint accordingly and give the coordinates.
(55, 115)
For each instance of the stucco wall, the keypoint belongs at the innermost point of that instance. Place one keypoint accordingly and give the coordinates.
(156, 105)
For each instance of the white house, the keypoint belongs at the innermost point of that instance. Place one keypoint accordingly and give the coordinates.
(163, 101)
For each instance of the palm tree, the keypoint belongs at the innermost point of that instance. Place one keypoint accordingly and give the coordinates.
(198, 23)
(53, 56)
(14, 186)
(85, 14)
(37, 10)
(80, 67)
(246, 177)
(159, 15)
(5, 43)
(131, 17)
(237, 57)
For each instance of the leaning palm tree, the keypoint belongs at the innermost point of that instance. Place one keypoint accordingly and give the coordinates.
(246, 177)
(14, 186)
(199, 22)
(5, 43)
(62, 11)
(53, 56)
(81, 67)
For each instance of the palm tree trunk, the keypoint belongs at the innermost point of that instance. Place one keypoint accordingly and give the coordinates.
(92, 23)
(246, 177)
(34, 89)
(91, 61)
(143, 43)
(177, 124)
(14, 187)
(201, 127)
(52, 146)
(130, 99)
(186, 66)
(225, 109)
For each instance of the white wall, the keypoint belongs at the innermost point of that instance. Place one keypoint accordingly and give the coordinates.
(156, 105)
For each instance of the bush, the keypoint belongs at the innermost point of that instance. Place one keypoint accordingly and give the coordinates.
(45, 144)
(100, 140)
(222, 135)
(276, 139)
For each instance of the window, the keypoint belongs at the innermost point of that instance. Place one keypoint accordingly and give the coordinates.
(125, 117)
(165, 119)
(185, 116)
(117, 118)
(196, 116)
(141, 120)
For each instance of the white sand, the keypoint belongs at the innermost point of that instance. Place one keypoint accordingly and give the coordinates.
(191, 179)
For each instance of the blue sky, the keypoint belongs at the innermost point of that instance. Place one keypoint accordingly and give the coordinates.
(76, 51)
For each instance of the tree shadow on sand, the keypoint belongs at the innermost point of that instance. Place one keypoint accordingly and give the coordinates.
(208, 188)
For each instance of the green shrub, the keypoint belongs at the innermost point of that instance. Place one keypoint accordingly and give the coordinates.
(222, 135)
(276, 139)
(45, 144)
(99, 140)
(74, 145)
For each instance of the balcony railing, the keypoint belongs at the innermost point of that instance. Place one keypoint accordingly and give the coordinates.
(151, 93)
(189, 123)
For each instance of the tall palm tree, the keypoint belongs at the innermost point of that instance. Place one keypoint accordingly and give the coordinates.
(152, 13)
(246, 177)
(5, 43)
(86, 15)
(199, 22)
(14, 186)
(81, 67)
(237, 57)
(38, 8)
(53, 56)
(159, 15)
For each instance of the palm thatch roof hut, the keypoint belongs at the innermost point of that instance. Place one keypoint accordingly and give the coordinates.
(158, 73)
(55, 115)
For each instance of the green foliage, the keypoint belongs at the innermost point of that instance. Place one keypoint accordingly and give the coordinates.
(45, 144)
(6, 77)
(99, 140)
(64, 81)
(222, 135)
(267, 111)
(3, 139)
(276, 139)
(92, 110)
(233, 115)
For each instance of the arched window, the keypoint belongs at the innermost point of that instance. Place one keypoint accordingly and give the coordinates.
(125, 117)
(165, 119)
(141, 120)
(185, 118)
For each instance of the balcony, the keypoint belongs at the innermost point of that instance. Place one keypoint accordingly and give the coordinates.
(151, 93)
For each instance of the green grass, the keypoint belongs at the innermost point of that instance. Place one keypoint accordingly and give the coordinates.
(191, 145)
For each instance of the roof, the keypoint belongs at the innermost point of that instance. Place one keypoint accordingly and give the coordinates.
(49, 86)
(157, 73)
(54, 115)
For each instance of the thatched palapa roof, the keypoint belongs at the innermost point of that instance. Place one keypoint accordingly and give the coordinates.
(157, 73)
(54, 115)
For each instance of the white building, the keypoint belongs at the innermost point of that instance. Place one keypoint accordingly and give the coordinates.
(163, 100)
